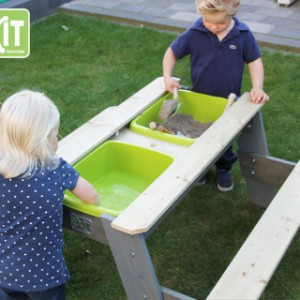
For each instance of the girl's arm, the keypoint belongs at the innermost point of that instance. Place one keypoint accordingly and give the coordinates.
(86, 192)
(256, 70)
(169, 62)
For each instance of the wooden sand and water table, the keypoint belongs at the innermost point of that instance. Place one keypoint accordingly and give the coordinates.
(127, 155)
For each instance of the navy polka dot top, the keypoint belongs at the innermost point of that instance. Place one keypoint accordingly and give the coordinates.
(31, 237)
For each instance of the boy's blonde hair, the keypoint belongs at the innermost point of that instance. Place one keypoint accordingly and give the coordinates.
(230, 7)
(27, 118)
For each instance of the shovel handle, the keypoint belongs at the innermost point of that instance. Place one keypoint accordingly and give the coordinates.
(175, 93)
(230, 100)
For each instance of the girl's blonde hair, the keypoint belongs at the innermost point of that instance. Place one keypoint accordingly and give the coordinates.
(27, 118)
(230, 7)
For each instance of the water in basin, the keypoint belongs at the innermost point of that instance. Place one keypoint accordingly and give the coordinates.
(120, 172)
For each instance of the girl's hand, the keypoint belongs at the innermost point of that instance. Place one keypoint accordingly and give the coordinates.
(86, 192)
(258, 96)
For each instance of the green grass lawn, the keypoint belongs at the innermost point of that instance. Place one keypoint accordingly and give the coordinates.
(95, 64)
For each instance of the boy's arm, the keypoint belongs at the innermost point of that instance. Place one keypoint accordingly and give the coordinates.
(86, 192)
(169, 62)
(256, 70)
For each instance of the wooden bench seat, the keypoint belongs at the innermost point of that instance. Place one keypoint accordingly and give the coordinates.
(253, 266)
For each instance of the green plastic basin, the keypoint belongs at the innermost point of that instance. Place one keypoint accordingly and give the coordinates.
(203, 108)
(120, 172)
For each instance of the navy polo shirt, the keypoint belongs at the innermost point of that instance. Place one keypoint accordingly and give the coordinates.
(217, 67)
(31, 236)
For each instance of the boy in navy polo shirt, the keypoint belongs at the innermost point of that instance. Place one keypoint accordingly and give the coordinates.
(219, 45)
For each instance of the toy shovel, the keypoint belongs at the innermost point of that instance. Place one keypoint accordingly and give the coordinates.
(169, 107)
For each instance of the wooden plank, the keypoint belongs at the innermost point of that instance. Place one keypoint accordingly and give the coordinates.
(253, 266)
(91, 134)
(133, 262)
(169, 294)
(151, 205)
(253, 140)
(265, 169)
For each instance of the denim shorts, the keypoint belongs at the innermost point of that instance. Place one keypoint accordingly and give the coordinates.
(57, 293)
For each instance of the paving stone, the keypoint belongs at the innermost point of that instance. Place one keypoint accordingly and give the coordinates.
(267, 20)
(282, 13)
(106, 4)
(260, 27)
(282, 22)
(130, 7)
(244, 17)
(287, 32)
(265, 3)
(159, 4)
(296, 16)
(130, 2)
(183, 7)
(185, 16)
(158, 12)
(248, 9)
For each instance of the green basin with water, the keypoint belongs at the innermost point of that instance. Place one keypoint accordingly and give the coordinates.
(201, 107)
(120, 172)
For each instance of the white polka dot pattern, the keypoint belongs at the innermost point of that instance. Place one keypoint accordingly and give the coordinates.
(31, 236)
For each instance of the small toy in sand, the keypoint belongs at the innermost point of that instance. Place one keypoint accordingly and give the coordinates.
(160, 127)
(170, 107)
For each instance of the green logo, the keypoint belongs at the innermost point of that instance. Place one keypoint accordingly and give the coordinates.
(14, 33)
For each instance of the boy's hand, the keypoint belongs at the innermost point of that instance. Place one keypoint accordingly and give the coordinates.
(171, 84)
(258, 96)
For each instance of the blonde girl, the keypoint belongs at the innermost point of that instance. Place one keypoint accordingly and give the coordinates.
(32, 184)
